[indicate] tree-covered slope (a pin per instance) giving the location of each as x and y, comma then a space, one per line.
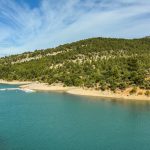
98, 62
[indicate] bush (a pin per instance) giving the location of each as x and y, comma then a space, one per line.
103, 87
122, 86
133, 91
140, 93
147, 93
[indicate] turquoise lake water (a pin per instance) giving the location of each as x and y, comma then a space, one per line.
59, 121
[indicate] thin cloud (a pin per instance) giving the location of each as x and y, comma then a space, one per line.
26, 28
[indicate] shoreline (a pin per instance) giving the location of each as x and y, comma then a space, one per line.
36, 86
14, 82
107, 95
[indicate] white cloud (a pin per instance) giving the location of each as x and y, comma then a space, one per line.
51, 24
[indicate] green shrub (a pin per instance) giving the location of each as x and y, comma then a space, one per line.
147, 93
133, 91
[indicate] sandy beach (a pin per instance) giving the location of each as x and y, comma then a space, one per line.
15, 82
84, 92
44, 87
107, 94
36, 86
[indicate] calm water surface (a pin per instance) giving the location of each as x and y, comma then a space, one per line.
57, 121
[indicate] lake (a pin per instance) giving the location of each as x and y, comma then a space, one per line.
59, 121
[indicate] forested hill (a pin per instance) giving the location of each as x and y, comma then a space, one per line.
105, 63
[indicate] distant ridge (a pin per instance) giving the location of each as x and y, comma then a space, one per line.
101, 63
147, 37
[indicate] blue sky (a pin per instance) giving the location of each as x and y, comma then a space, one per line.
36, 24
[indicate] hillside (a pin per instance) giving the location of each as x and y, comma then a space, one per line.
100, 63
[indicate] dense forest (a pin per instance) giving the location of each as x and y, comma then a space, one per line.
100, 63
